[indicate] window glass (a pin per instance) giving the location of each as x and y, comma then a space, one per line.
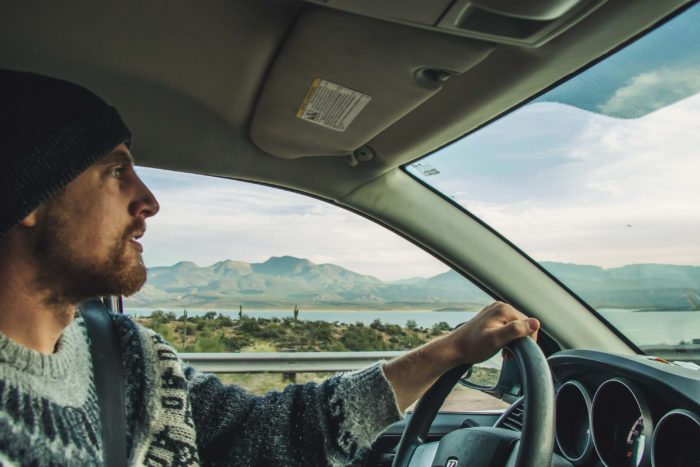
596, 180
239, 267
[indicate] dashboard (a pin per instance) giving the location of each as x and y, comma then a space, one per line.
615, 410
611, 410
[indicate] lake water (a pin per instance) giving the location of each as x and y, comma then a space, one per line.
643, 328
656, 327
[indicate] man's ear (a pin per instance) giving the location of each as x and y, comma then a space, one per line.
30, 220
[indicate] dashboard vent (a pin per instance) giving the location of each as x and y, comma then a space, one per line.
513, 418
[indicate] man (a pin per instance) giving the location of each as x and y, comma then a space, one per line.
71, 213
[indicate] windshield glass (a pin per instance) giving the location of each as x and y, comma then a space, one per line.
597, 180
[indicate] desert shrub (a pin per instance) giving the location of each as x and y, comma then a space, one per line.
158, 317
439, 328
209, 343
412, 340
319, 330
235, 343
266, 333
248, 325
393, 329
222, 320
358, 338
443, 326
335, 346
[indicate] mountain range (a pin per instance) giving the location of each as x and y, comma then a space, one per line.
286, 281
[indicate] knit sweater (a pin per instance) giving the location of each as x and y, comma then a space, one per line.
49, 413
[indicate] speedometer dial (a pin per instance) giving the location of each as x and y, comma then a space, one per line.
634, 444
621, 425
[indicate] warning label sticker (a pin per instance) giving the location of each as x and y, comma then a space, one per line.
331, 105
426, 169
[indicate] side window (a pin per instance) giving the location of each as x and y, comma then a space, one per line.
237, 267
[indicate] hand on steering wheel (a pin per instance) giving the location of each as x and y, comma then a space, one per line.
490, 446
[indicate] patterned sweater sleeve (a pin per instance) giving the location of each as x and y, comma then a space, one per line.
310, 424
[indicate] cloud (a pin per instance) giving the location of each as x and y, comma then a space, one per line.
622, 192
652, 90
608, 236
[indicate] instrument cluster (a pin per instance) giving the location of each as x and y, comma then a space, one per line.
626, 411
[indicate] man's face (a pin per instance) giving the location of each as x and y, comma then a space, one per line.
86, 238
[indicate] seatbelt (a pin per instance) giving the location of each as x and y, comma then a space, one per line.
109, 380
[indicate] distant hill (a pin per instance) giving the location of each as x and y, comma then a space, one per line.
282, 282
639, 286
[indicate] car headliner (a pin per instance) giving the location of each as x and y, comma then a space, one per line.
205, 86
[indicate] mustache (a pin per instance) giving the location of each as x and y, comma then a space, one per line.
137, 228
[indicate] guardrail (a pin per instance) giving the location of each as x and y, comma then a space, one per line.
284, 362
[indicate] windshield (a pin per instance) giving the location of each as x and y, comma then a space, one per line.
598, 181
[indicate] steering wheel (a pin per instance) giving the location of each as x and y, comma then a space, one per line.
487, 446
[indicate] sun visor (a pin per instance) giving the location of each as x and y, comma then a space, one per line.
340, 79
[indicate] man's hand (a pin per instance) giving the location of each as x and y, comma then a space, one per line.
475, 341
495, 326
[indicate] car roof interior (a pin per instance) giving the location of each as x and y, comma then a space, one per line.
215, 88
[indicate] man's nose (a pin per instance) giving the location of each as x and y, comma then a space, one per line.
145, 204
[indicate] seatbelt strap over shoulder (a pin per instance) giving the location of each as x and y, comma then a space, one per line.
109, 380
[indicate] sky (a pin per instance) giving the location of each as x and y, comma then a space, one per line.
601, 170
206, 220
613, 192
583, 184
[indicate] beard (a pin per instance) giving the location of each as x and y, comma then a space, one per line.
71, 275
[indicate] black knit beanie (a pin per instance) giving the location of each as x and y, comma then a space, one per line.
51, 132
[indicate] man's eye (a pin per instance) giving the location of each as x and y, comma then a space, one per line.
118, 172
